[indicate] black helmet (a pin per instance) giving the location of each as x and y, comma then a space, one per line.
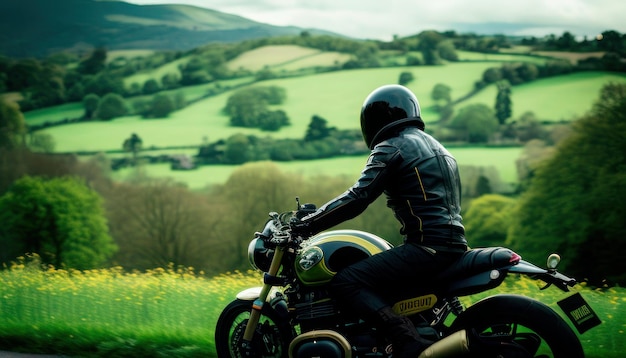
388, 108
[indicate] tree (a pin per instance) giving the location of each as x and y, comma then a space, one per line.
492, 75
249, 108
94, 63
273, 120
61, 219
111, 105
528, 127
238, 149
12, 124
477, 122
487, 220
447, 51
317, 129
151, 86
158, 222
441, 92
405, 78
504, 104
41, 142
91, 102
570, 206
161, 106
133, 145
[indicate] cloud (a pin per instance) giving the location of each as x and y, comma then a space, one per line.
383, 19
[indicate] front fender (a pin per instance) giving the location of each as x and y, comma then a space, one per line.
277, 302
249, 294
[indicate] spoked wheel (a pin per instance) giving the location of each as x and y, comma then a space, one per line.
271, 338
510, 326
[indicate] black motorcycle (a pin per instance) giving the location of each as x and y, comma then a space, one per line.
293, 315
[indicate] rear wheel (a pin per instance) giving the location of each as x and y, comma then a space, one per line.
511, 326
271, 338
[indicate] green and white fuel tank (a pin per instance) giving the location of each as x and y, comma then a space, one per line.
326, 253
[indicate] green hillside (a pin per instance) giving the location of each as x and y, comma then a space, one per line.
45, 27
561, 98
337, 97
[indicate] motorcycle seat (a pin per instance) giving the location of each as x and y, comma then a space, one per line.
479, 260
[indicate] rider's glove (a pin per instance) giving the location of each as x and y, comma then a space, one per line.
299, 228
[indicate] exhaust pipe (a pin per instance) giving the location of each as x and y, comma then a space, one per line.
453, 345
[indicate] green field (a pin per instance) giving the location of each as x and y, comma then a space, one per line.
335, 96
500, 57
562, 98
172, 311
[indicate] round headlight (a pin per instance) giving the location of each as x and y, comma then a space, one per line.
310, 257
260, 257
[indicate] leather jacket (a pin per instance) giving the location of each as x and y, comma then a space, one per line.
421, 181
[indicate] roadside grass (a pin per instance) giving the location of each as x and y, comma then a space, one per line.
172, 312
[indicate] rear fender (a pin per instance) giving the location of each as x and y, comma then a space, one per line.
477, 283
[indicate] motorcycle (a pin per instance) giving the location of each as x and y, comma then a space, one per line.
293, 315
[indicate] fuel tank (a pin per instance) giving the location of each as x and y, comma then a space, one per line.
328, 252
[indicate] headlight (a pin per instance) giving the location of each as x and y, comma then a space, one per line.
260, 257
310, 257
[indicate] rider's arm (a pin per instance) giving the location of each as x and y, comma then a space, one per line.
356, 199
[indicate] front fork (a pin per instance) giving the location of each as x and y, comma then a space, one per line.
257, 305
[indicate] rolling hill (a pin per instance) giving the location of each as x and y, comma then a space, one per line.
36, 28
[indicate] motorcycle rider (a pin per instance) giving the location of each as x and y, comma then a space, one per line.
421, 181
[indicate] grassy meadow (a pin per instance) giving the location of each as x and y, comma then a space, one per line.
172, 311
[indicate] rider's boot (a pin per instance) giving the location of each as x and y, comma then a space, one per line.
405, 341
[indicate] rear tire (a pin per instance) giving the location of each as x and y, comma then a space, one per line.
512, 326
271, 338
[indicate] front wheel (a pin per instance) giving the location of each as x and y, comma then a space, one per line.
512, 326
271, 338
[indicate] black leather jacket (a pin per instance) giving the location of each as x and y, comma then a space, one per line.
421, 181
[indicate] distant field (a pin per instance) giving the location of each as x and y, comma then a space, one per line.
54, 114
115, 54
170, 68
499, 57
557, 98
573, 57
76, 109
268, 56
337, 97
503, 159
322, 59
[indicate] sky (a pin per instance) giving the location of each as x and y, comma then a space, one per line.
382, 19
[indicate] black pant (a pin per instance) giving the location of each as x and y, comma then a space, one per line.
381, 280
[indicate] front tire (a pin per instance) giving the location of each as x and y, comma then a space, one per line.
271, 338
512, 326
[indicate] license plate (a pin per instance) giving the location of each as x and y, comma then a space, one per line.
579, 312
